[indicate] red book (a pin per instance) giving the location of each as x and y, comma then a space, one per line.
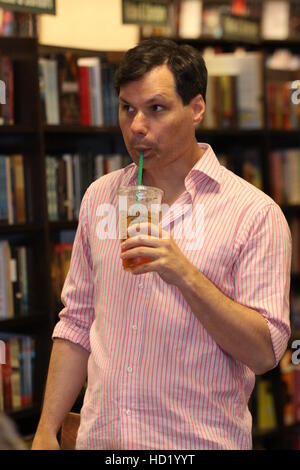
84, 95
6, 379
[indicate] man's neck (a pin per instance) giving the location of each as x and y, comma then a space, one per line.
171, 178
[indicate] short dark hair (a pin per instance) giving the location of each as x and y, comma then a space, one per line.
184, 61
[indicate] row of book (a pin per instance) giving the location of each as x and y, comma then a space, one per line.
285, 175
68, 177
18, 24
78, 91
16, 371
234, 96
14, 292
12, 189
266, 419
283, 90
190, 19
7, 94
282, 112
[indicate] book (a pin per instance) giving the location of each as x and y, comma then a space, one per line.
7, 76
93, 66
84, 96
49, 90
190, 19
235, 90
266, 414
17, 174
68, 82
275, 19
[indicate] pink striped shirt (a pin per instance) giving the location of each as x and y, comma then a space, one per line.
156, 378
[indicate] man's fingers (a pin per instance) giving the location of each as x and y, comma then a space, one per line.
146, 228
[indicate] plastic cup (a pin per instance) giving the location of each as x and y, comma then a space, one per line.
138, 204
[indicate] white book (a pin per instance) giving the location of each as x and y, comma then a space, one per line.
275, 19
190, 19
250, 90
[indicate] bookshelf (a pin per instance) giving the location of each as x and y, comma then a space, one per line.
25, 137
32, 137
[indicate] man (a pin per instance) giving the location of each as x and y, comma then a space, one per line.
171, 349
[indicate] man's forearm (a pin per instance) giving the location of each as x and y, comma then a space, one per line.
66, 376
240, 331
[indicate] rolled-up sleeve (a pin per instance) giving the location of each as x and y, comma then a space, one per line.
262, 272
77, 296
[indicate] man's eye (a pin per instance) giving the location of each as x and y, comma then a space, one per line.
157, 107
128, 108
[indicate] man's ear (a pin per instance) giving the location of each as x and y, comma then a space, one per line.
198, 108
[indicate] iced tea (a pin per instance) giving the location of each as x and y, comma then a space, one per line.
129, 264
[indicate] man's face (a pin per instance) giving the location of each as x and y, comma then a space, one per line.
154, 120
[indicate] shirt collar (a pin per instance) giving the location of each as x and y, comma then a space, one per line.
207, 167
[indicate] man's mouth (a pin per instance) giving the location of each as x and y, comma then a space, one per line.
145, 150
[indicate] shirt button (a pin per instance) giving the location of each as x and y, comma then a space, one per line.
134, 327
141, 285
128, 412
129, 369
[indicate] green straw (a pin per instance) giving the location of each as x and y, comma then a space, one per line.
139, 195
140, 173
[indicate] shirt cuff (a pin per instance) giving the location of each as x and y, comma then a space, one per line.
71, 332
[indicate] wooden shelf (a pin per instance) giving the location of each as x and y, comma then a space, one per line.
18, 48
26, 229
23, 323
227, 43
279, 44
231, 132
63, 225
78, 129
284, 133
16, 129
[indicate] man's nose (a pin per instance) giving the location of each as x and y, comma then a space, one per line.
139, 124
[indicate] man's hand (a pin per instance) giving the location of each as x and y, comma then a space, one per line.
168, 260
44, 440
